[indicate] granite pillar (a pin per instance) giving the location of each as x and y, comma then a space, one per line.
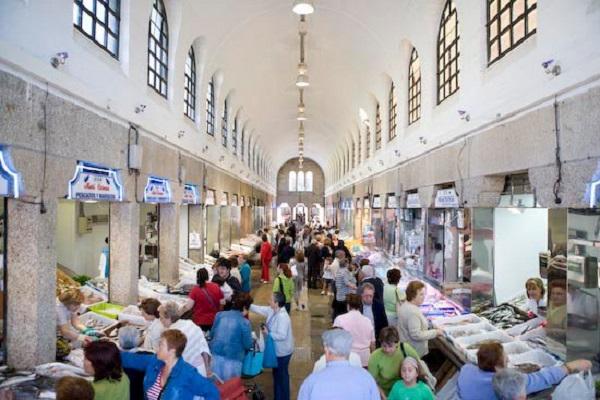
124, 252
31, 284
195, 224
168, 243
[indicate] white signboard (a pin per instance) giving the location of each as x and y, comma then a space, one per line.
234, 200
366, 203
210, 197
413, 201
95, 183
446, 198
224, 199
376, 201
190, 195
195, 242
9, 178
392, 201
158, 190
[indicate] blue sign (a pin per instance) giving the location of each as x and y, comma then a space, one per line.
190, 194
93, 182
157, 190
9, 177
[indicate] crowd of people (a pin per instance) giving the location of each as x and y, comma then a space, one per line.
378, 344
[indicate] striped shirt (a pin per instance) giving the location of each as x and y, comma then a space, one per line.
154, 392
342, 279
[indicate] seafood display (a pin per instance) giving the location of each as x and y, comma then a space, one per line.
96, 321
460, 320
467, 330
504, 316
58, 370
475, 341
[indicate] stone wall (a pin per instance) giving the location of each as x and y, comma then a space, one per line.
307, 198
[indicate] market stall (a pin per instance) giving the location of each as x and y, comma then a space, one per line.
211, 223
377, 221
187, 236
390, 225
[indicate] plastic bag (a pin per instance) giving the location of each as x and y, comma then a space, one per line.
253, 363
269, 355
576, 386
260, 342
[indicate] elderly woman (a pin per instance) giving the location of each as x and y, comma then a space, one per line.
103, 362
196, 352
385, 362
167, 375
510, 384
149, 309
412, 324
475, 381
231, 337
67, 320
279, 326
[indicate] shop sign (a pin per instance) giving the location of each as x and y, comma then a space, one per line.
9, 177
413, 201
242, 201
366, 203
446, 198
376, 201
195, 242
234, 200
190, 194
158, 190
392, 201
93, 182
210, 197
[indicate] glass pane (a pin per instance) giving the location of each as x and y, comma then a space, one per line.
87, 23
100, 11
76, 13
504, 19
519, 30
532, 20
89, 4
113, 24
518, 8
482, 264
100, 34
301, 181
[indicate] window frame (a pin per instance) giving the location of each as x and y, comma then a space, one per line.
153, 58
414, 88
528, 9
243, 136
234, 133
392, 112
189, 86
367, 141
307, 175
79, 9
210, 107
378, 138
225, 123
447, 13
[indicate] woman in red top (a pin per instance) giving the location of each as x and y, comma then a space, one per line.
266, 254
205, 299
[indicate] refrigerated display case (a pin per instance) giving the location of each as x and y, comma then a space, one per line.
412, 237
377, 222
367, 233
390, 226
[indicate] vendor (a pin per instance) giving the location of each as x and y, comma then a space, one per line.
149, 308
68, 326
535, 296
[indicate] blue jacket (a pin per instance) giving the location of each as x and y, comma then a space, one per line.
246, 272
183, 384
231, 335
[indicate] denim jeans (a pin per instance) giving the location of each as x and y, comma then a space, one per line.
226, 368
281, 379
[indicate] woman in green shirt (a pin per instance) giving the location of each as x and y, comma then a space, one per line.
284, 283
385, 362
103, 360
412, 386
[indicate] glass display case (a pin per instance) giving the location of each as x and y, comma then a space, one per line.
411, 238
443, 244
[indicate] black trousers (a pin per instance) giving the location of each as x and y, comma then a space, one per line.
313, 276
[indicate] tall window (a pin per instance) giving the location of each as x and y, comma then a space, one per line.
414, 87
242, 139
210, 107
392, 108
234, 134
249, 152
447, 51
301, 181
378, 128
359, 154
308, 186
348, 157
99, 21
225, 123
368, 141
510, 22
353, 154
158, 49
189, 86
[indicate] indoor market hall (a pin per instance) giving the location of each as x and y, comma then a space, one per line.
299, 199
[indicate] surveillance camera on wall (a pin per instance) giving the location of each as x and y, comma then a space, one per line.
59, 59
464, 115
397, 153
140, 109
552, 67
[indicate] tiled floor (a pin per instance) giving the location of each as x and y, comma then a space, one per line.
307, 327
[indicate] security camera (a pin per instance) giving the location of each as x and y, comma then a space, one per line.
552, 67
59, 59
422, 140
464, 115
180, 134
397, 153
140, 109
381, 162
222, 158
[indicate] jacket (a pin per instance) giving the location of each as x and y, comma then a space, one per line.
231, 335
379, 316
183, 384
266, 254
414, 328
287, 289
280, 328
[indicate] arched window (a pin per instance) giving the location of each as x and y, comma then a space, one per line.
447, 51
225, 123
309, 182
509, 24
210, 107
368, 141
189, 86
234, 134
242, 139
359, 153
353, 154
377, 128
392, 106
158, 49
414, 87
301, 181
99, 20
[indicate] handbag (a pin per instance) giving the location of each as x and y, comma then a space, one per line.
232, 389
269, 356
253, 362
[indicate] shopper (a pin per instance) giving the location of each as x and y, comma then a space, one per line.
373, 308
103, 362
246, 273
412, 324
224, 271
69, 328
339, 379
510, 384
393, 296
313, 254
285, 285
359, 326
327, 276
412, 386
298, 265
167, 375
204, 301
234, 271
475, 381
149, 308
385, 362
338, 244
196, 353
279, 327
287, 252
343, 285
70, 388
535, 296
266, 254
368, 276
231, 337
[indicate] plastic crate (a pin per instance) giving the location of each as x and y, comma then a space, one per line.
107, 309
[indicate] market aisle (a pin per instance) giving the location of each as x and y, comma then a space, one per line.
307, 328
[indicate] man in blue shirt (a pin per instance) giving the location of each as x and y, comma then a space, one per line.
325, 384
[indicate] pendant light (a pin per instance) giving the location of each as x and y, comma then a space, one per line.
301, 7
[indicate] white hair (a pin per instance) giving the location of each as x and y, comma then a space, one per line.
509, 384
338, 342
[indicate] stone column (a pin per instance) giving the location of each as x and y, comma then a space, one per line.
124, 252
31, 284
195, 223
168, 243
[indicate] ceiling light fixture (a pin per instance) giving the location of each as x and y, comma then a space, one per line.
301, 116
301, 7
302, 81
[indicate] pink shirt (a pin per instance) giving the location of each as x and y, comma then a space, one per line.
361, 329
